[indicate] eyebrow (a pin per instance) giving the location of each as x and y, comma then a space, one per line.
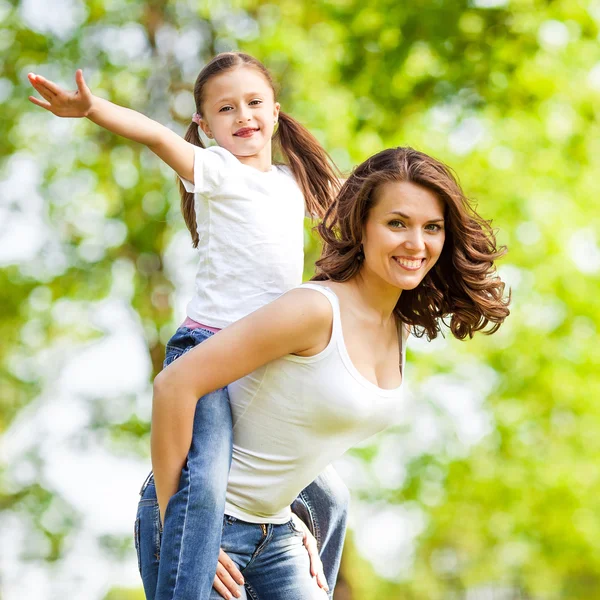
401, 214
228, 99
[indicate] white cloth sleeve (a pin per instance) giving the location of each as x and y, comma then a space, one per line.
210, 166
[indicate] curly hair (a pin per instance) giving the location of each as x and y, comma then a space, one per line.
462, 287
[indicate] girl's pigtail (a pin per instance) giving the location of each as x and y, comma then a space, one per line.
312, 167
187, 199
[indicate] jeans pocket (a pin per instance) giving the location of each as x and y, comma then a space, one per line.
136, 541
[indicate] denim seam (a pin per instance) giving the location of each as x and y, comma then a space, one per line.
315, 527
136, 539
148, 502
187, 505
251, 592
157, 532
203, 330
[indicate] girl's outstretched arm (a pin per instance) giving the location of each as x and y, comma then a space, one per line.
297, 322
166, 144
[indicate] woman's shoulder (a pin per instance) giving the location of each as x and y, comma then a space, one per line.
313, 296
324, 298
326, 287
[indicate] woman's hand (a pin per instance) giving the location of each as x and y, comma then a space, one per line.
316, 566
59, 102
228, 578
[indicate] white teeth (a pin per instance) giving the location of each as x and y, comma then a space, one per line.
409, 264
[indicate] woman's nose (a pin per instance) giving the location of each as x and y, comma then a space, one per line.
415, 240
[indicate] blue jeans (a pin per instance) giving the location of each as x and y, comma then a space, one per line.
179, 562
272, 559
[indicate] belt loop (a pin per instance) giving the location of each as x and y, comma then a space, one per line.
146, 483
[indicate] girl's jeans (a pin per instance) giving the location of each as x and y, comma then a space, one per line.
179, 562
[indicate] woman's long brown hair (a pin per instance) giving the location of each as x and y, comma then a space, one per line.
462, 289
311, 166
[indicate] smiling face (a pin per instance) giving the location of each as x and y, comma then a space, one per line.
404, 234
239, 111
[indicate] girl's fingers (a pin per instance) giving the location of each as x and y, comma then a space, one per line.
43, 90
81, 84
41, 103
49, 85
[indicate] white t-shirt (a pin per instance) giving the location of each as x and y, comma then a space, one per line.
251, 236
294, 416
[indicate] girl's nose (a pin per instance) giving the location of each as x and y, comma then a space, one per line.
243, 116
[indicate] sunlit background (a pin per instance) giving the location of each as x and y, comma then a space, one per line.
490, 488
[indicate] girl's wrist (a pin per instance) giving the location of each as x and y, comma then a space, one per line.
93, 108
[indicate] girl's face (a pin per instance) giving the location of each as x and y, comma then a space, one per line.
404, 234
239, 111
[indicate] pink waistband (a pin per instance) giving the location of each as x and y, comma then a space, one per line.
191, 324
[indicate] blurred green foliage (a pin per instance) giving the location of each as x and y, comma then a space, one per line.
507, 93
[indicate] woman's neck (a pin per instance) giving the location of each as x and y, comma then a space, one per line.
376, 296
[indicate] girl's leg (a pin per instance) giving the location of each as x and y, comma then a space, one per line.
147, 537
190, 541
323, 506
191, 534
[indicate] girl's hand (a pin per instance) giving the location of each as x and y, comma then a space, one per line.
59, 102
316, 566
228, 578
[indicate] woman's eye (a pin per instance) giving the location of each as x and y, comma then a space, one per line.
396, 223
433, 227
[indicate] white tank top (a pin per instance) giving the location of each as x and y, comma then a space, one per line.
293, 417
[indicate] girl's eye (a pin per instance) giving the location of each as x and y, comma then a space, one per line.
225, 109
255, 102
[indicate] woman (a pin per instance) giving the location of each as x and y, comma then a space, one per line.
320, 369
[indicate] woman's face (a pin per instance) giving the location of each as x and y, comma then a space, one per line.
404, 233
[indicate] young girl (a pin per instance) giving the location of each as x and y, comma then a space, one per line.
246, 217
321, 368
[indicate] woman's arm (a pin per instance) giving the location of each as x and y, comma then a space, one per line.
166, 144
297, 322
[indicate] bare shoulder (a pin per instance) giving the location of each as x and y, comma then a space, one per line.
308, 305
314, 317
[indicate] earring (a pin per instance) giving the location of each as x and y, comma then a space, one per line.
361, 254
